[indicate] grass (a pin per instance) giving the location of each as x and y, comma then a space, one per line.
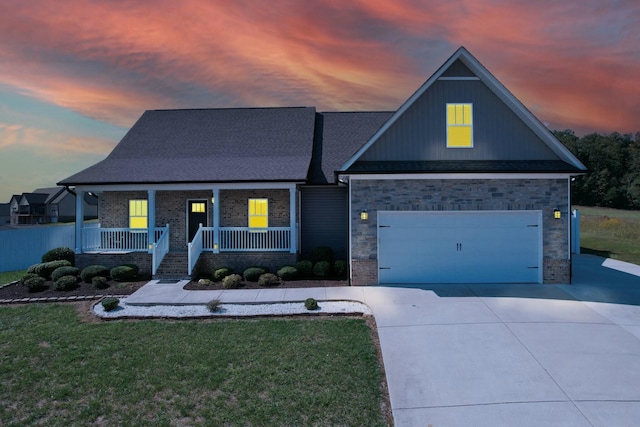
58, 371
611, 233
10, 276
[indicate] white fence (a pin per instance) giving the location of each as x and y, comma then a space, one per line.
23, 247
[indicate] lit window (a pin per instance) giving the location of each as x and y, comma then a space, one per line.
137, 214
258, 213
198, 207
459, 126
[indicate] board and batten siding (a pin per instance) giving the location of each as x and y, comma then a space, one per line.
420, 133
23, 247
324, 219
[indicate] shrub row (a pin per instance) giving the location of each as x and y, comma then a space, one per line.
301, 269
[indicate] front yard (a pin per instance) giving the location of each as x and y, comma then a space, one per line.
59, 370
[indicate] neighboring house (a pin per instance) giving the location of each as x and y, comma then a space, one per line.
461, 184
49, 205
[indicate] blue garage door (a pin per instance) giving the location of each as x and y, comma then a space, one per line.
460, 247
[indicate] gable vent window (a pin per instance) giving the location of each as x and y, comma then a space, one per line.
258, 213
459, 126
137, 214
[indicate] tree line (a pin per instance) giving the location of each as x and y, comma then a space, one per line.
613, 161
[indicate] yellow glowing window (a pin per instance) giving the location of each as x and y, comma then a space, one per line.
137, 214
258, 213
459, 125
198, 207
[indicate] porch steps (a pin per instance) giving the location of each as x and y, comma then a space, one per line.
173, 266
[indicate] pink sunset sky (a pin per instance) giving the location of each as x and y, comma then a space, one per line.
75, 75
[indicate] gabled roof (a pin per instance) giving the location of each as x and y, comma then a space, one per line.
52, 192
34, 198
462, 65
209, 145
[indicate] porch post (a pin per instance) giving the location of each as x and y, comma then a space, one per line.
293, 230
151, 217
216, 220
79, 219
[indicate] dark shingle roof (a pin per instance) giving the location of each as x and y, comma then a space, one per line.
36, 198
343, 133
462, 166
211, 145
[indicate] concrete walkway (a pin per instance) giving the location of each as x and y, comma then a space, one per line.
494, 355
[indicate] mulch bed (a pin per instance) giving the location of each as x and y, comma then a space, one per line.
16, 291
195, 286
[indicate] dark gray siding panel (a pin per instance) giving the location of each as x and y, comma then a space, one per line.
420, 133
324, 219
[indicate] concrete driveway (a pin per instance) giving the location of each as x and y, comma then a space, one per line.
525, 355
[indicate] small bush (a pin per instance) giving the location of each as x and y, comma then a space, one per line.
33, 282
321, 253
46, 268
340, 268
100, 282
221, 273
205, 282
64, 271
287, 273
92, 271
304, 267
122, 273
311, 304
213, 305
268, 279
66, 283
252, 274
110, 303
61, 253
322, 269
232, 281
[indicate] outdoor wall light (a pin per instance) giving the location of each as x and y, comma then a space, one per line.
364, 215
213, 200
556, 213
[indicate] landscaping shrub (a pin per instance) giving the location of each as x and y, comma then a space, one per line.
92, 271
252, 274
134, 266
64, 271
287, 273
321, 253
45, 269
304, 267
110, 303
221, 273
33, 282
100, 282
213, 305
232, 281
61, 253
205, 282
268, 279
311, 304
322, 269
66, 283
340, 268
122, 273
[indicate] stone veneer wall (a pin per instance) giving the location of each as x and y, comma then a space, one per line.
459, 195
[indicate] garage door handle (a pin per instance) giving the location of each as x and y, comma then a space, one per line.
533, 267
385, 268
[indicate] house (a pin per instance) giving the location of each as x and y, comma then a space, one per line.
49, 205
460, 184
5, 214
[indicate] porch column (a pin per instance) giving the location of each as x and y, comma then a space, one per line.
293, 220
79, 219
151, 217
216, 220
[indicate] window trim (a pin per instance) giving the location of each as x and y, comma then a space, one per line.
459, 125
254, 215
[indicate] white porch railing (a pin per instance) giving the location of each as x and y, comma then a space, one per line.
195, 249
98, 239
160, 249
247, 239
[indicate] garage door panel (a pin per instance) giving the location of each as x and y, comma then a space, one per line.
459, 247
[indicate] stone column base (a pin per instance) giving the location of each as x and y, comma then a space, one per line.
556, 271
364, 272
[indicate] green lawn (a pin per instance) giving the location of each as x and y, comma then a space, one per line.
10, 276
57, 370
611, 233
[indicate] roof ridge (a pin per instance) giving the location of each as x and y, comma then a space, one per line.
232, 108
